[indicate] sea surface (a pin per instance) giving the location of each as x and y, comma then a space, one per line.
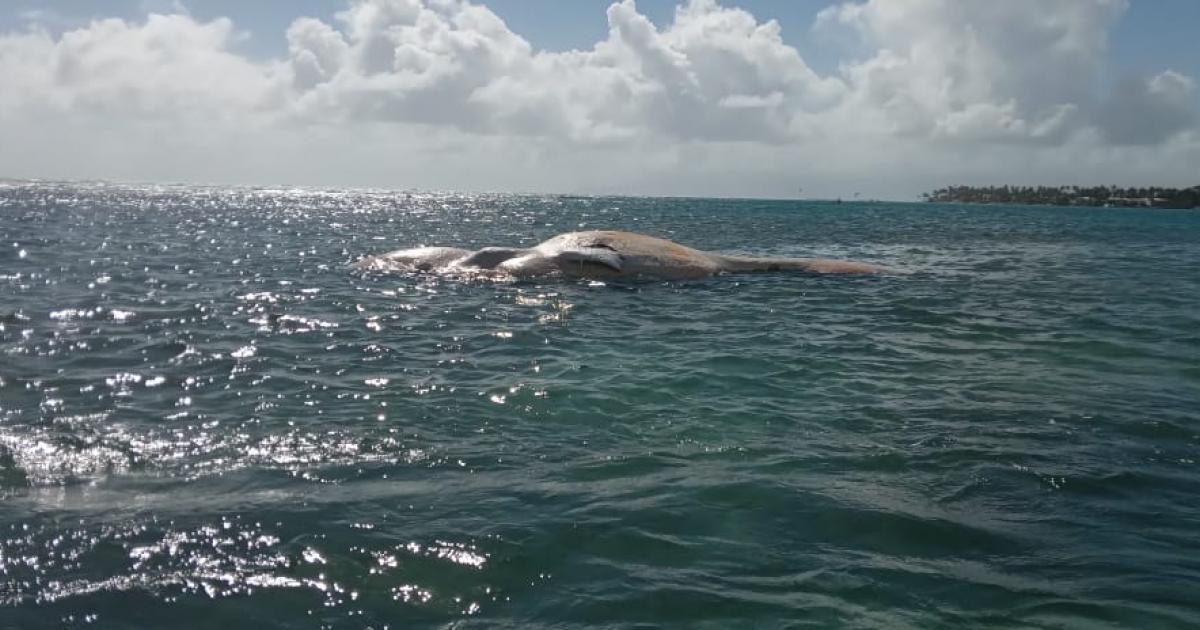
207, 419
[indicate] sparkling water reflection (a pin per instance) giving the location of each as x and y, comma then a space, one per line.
207, 418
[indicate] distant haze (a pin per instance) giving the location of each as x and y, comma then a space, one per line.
715, 100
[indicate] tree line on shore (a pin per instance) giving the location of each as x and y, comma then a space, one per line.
1100, 196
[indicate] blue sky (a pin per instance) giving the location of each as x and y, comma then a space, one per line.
890, 97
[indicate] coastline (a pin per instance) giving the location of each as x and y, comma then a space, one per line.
1070, 196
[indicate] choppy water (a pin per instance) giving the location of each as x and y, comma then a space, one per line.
207, 419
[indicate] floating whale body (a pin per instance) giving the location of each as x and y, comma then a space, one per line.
599, 254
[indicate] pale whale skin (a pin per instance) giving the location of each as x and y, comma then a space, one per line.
599, 254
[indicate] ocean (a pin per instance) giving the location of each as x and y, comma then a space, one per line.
207, 419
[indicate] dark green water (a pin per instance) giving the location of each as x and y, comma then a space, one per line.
207, 420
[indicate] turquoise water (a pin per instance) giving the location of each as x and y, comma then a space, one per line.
206, 418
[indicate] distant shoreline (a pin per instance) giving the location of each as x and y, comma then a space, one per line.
1094, 196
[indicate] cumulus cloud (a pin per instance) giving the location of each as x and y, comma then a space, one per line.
168, 66
715, 74
1149, 110
977, 69
715, 90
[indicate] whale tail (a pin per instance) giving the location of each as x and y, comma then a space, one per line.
811, 265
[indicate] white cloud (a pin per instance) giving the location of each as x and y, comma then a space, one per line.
169, 66
443, 93
716, 74
985, 69
1150, 110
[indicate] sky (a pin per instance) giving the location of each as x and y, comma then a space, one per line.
748, 98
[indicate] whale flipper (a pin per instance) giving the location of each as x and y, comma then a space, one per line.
489, 257
603, 256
